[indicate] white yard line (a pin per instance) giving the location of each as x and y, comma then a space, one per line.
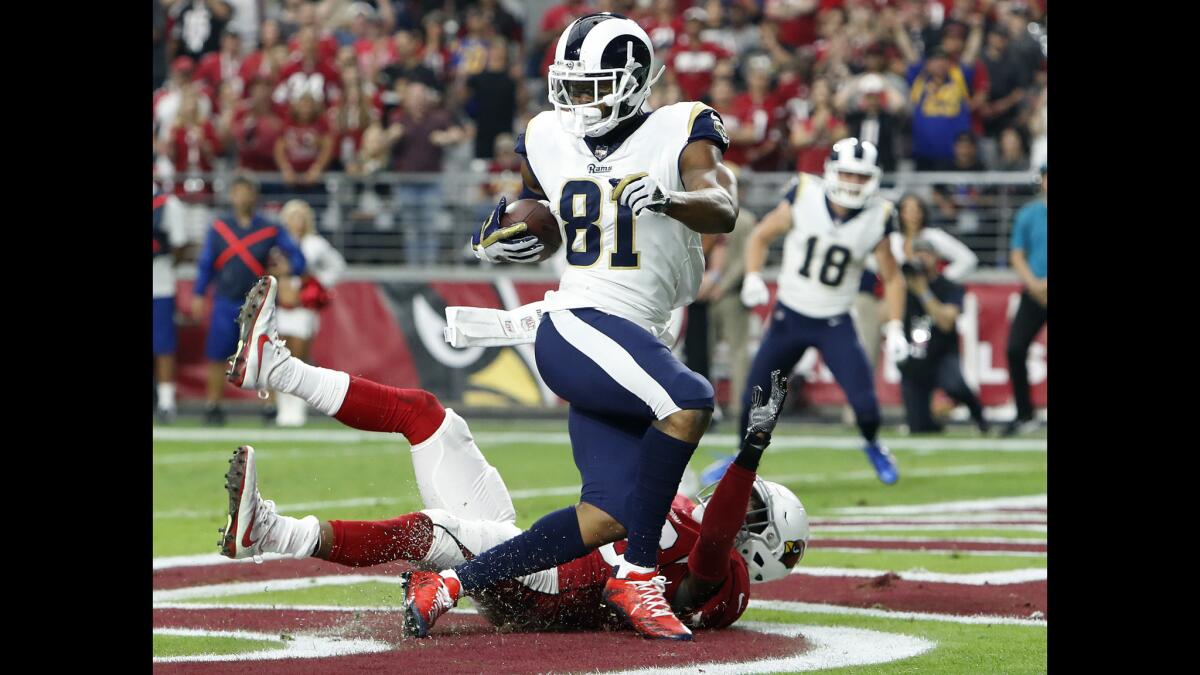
830, 647
485, 438
826, 537
268, 585
839, 529
301, 646
961, 552
816, 608
973, 579
1002, 517
566, 490
965, 506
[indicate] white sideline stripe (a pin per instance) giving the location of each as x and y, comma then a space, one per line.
563, 490
931, 549
939, 540
268, 586
817, 608
611, 357
301, 646
274, 607
832, 647
273, 454
363, 501
484, 438
1026, 502
1023, 518
1018, 576
839, 529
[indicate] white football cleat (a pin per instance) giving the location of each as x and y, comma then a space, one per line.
259, 346
253, 527
250, 516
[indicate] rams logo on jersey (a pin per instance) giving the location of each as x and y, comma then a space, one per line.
720, 129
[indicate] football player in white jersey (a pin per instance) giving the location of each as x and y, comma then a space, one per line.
832, 224
633, 190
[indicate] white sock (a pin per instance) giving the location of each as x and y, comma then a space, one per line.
625, 568
323, 388
297, 537
166, 395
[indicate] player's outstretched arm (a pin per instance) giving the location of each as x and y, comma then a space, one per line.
708, 561
774, 225
895, 291
708, 203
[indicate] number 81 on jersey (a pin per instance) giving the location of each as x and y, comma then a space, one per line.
581, 208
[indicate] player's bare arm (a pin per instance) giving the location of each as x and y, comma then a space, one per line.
894, 288
709, 204
773, 226
894, 292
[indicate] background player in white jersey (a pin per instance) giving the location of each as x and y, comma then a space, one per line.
633, 190
832, 225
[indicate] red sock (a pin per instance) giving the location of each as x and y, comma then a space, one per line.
723, 517
370, 406
360, 543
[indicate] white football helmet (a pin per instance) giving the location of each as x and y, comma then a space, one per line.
774, 535
600, 60
850, 155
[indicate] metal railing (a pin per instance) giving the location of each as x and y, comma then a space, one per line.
424, 219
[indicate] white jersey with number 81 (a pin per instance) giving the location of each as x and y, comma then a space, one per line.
638, 268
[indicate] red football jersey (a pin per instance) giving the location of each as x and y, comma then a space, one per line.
578, 603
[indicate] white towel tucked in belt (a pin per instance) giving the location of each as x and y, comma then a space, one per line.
481, 327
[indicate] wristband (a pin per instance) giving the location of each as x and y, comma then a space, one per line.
927, 296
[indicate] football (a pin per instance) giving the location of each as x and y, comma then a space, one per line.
539, 221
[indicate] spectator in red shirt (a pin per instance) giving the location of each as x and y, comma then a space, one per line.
796, 20
224, 65
306, 19
373, 49
191, 145
305, 147
664, 25
253, 128
813, 136
693, 60
554, 21
308, 71
757, 132
350, 119
267, 61
167, 99
721, 96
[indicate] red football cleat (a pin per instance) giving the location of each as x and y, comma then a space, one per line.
427, 596
641, 601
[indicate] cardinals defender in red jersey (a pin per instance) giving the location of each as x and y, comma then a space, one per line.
747, 530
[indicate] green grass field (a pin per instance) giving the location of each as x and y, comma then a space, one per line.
337, 475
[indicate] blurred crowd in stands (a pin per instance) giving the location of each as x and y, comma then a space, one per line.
299, 90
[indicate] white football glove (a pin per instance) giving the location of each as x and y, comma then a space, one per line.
754, 290
640, 191
896, 345
495, 244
